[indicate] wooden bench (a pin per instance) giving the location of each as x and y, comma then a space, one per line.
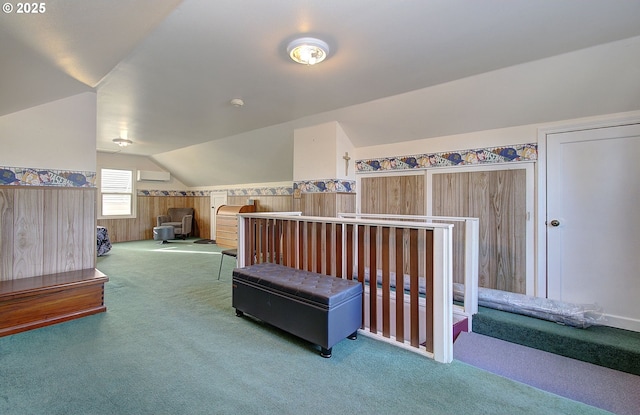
29, 303
318, 308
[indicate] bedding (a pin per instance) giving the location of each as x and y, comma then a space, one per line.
104, 244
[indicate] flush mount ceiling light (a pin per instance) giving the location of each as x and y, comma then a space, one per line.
308, 50
237, 102
122, 142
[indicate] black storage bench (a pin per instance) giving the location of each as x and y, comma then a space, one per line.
318, 308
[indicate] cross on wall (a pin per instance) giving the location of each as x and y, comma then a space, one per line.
346, 163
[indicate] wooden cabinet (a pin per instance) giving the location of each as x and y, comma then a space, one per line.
227, 224
33, 302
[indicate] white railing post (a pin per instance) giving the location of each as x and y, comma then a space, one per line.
343, 235
442, 295
241, 242
471, 241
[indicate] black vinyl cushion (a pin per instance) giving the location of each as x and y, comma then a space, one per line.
319, 288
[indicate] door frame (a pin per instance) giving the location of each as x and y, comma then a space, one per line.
612, 120
212, 221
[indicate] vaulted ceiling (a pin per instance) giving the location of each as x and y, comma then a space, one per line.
165, 70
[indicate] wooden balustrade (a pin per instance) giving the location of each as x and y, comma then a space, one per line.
392, 259
465, 251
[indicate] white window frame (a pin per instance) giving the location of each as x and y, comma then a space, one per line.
133, 195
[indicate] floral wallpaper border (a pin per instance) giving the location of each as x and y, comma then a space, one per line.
261, 191
255, 191
28, 176
324, 186
173, 193
503, 154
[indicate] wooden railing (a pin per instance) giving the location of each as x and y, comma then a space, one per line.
466, 234
398, 258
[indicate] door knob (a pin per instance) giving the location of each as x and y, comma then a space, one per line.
555, 223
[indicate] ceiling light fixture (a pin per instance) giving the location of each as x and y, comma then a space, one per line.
308, 50
237, 102
122, 142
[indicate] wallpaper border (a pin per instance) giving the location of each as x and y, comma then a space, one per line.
173, 193
490, 155
324, 186
30, 176
261, 191
253, 191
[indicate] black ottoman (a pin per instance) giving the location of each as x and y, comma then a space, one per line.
318, 308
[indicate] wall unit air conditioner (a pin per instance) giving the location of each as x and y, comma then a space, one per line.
154, 176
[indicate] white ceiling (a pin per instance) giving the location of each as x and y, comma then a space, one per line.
165, 70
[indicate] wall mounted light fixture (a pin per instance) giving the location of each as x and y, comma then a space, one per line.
308, 50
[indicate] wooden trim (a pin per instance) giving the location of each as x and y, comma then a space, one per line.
399, 283
413, 292
386, 283
373, 279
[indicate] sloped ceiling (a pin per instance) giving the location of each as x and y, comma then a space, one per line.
165, 71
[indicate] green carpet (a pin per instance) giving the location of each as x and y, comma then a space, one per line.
170, 343
605, 346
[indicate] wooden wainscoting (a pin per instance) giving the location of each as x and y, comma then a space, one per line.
325, 204
149, 208
46, 230
396, 195
497, 198
265, 203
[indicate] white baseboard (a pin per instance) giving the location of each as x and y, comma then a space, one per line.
626, 323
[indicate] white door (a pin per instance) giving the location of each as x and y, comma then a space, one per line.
217, 199
593, 220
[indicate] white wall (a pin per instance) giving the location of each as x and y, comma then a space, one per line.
344, 145
523, 134
59, 135
479, 139
264, 155
318, 152
314, 152
132, 162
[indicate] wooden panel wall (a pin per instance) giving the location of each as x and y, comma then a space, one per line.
398, 195
325, 204
498, 199
149, 208
46, 230
276, 203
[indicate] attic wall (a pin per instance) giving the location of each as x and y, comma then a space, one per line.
46, 230
59, 135
477, 139
47, 203
149, 208
134, 162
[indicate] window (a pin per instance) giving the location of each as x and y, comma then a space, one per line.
117, 193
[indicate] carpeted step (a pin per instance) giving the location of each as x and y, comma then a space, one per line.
605, 346
585, 382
